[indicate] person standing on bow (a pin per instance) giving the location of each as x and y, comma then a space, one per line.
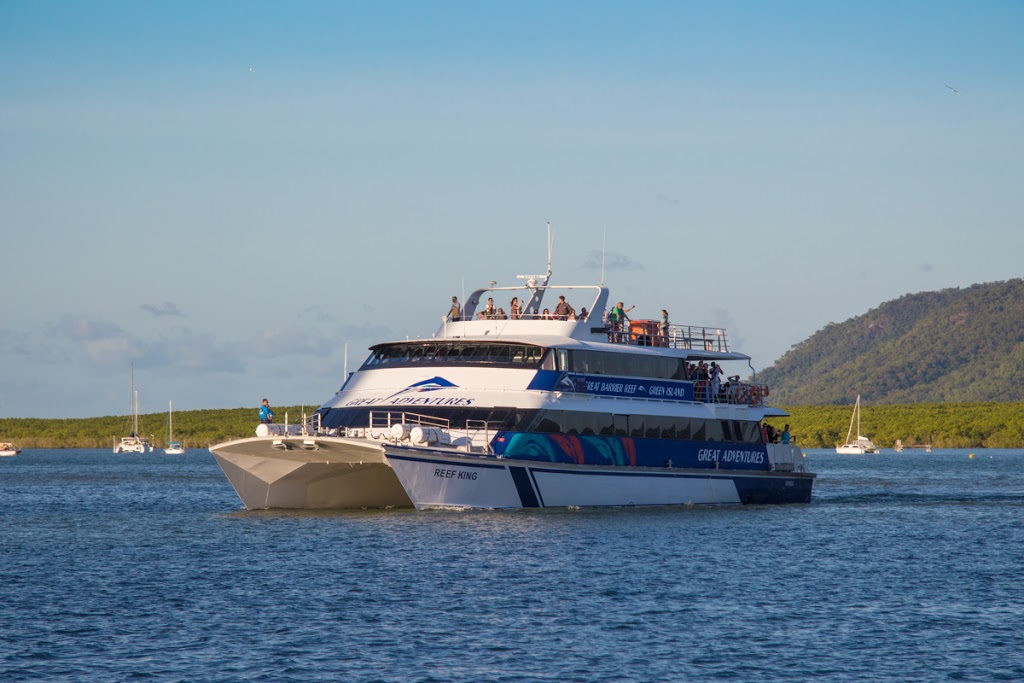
266, 414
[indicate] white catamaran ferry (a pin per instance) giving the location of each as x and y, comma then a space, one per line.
529, 411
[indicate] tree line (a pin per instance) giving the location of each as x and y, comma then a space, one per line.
943, 425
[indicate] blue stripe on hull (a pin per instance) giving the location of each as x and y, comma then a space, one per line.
524, 487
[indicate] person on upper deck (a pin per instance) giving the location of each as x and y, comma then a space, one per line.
715, 375
563, 310
618, 319
546, 315
785, 434
489, 309
663, 327
455, 311
582, 314
515, 311
500, 315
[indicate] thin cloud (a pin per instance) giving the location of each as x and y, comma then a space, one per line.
192, 353
667, 199
104, 344
612, 261
165, 308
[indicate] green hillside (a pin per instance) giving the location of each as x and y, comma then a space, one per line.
955, 345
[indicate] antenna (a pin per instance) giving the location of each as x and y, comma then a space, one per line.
604, 240
344, 367
550, 242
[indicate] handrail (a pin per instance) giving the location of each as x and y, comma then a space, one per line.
649, 333
387, 418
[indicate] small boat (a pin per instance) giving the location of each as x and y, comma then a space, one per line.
492, 412
861, 444
6, 447
133, 443
173, 447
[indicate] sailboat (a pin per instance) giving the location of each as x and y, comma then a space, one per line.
6, 447
173, 447
861, 444
134, 443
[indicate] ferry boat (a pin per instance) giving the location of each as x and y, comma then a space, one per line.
531, 411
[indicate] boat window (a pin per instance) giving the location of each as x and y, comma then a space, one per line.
621, 425
625, 365
563, 360
451, 353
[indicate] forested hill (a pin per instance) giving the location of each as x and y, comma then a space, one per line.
955, 345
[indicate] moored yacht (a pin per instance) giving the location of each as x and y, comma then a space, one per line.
134, 443
530, 411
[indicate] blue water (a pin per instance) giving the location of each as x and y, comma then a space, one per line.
906, 567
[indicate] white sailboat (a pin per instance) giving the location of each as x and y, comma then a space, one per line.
173, 447
861, 444
6, 447
134, 443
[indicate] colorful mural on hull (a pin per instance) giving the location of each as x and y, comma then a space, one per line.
627, 451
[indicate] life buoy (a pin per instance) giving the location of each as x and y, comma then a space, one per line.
766, 392
755, 395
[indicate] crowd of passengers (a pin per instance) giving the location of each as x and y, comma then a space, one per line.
772, 435
615, 320
563, 311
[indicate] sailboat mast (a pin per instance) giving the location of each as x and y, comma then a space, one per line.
135, 404
852, 418
858, 417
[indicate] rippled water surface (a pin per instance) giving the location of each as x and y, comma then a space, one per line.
905, 567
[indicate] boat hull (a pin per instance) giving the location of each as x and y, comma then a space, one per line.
435, 479
855, 450
305, 473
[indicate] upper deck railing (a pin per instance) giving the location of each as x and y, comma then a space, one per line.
632, 332
651, 333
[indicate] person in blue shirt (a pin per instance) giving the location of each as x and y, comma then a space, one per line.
266, 414
785, 434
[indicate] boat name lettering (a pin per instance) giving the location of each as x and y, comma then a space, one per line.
453, 474
412, 401
718, 455
597, 386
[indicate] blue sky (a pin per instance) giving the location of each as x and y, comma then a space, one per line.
228, 194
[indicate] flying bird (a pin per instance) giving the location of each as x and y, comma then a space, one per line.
955, 91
